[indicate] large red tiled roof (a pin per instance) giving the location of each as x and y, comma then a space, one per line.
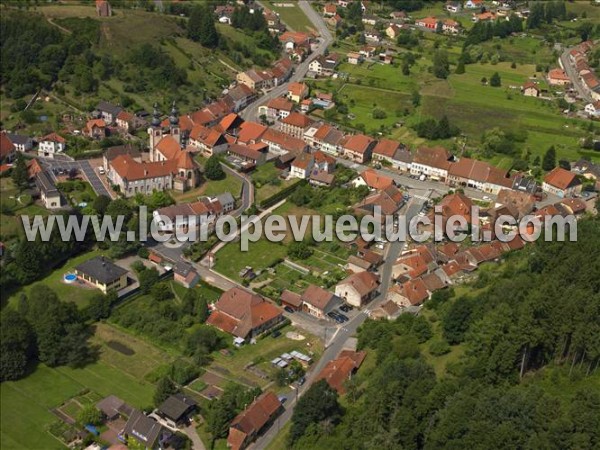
560, 178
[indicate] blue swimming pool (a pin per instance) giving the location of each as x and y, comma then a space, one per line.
70, 277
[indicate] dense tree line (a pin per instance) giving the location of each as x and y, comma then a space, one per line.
545, 12
485, 30
436, 129
531, 323
42, 329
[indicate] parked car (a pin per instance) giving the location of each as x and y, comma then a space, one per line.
288, 309
343, 317
101, 170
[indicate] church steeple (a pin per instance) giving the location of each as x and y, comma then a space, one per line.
174, 117
156, 116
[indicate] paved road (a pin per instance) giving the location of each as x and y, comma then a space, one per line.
348, 329
84, 167
573, 75
251, 111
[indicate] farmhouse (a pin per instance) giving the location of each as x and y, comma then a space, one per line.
561, 182
318, 302
558, 77
530, 89
102, 273
243, 314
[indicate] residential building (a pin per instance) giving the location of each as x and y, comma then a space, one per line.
410, 293
295, 124
302, 166
328, 139
95, 129
562, 183
281, 143
427, 22
558, 77
181, 216
322, 66
431, 162
530, 89
125, 121
479, 175
358, 289
373, 180
21, 142
372, 36
208, 140
256, 417
338, 371
49, 194
453, 7
394, 153
256, 79
112, 152
473, 4
593, 109
455, 205
393, 31
243, 314
252, 155
297, 92
381, 203
334, 21
277, 108
176, 410
291, 300
102, 273
250, 133
186, 275
282, 70
145, 430
522, 202
108, 112
354, 58
358, 147
51, 145
239, 97
7, 148
317, 302
329, 10
388, 311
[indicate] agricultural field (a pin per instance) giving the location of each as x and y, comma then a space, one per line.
290, 14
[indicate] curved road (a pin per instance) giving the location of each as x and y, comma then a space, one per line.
251, 111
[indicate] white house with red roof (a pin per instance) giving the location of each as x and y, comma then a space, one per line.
51, 144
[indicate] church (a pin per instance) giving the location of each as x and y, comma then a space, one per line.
170, 166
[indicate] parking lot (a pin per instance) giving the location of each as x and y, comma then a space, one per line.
84, 167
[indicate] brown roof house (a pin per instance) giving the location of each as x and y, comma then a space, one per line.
249, 423
291, 300
318, 302
244, 314
341, 369
411, 293
562, 183
431, 162
358, 289
358, 148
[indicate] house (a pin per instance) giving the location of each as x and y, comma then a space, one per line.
373, 180
381, 203
176, 410
50, 145
255, 418
102, 273
295, 124
398, 15
453, 7
322, 66
145, 430
522, 202
354, 58
208, 140
250, 133
112, 407
393, 31
456, 205
358, 148
95, 129
297, 92
562, 183
369, 19
255, 79
372, 36
185, 275
329, 10
338, 371
368, 51
103, 8
484, 16
387, 150
388, 311
302, 166
558, 77
125, 121
469, 172
277, 108
201, 212
21, 142
593, 109
281, 143
317, 302
321, 178
410, 293
33, 168
524, 183
335, 21
450, 26
358, 289
431, 162
291, 300
243, 314
108, 112
530, 89
49, 194
282, 70
7, 148
328, 139
427, 22
239, 97
292, 40
473, 4
323, 100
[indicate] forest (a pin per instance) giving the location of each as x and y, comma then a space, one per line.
528, 377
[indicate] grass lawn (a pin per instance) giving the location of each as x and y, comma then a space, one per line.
262, 353
26, 403
260, 255
211, 188
290, 14
267, 181
76, 293
10, 224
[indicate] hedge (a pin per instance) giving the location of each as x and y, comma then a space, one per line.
275, 198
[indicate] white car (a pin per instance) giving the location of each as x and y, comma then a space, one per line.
486, 198
101, 170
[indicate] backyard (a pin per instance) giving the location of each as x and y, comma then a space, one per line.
267, 181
